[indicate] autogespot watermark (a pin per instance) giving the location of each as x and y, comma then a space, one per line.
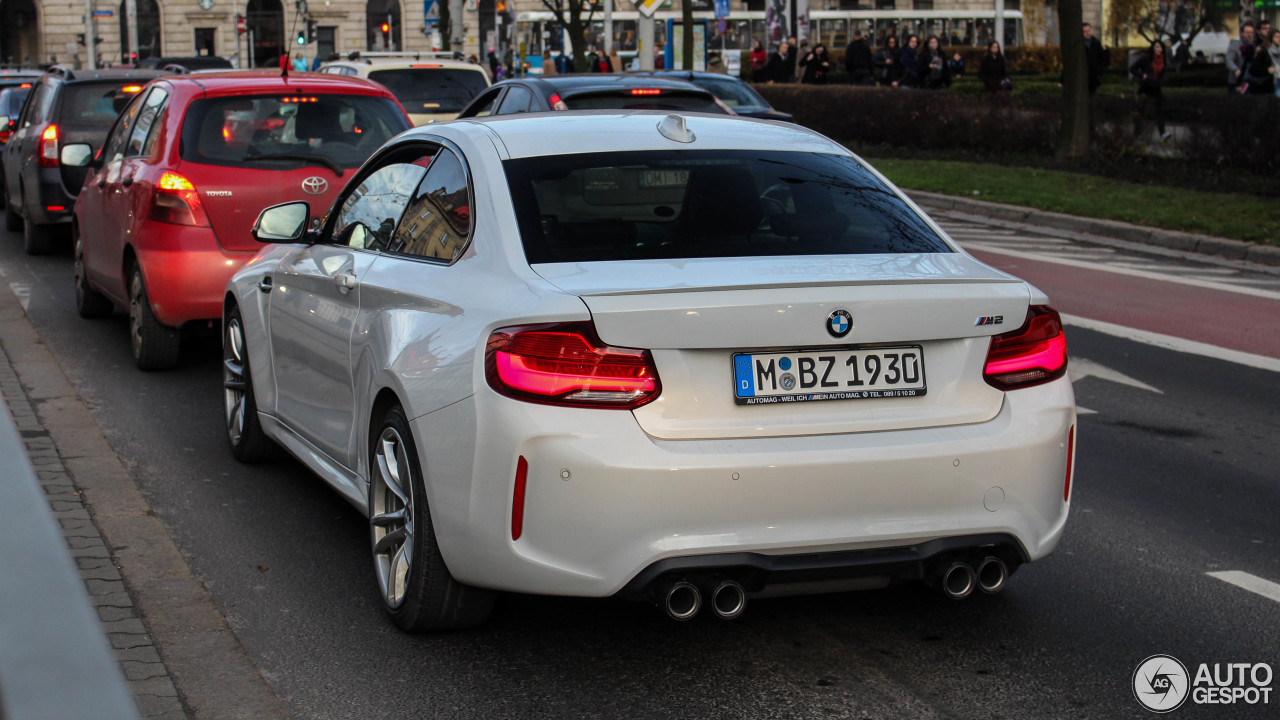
1161, 683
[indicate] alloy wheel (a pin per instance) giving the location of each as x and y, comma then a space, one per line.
135, 314
391, 515
233, 384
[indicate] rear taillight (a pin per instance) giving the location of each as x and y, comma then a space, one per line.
566, 364
175, 201
48, 150
1033, 354
5, 132
556, 102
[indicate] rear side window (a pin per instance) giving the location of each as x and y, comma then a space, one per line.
95, 104
665, 100
703, 204
437, 222
144, 132
289, 130
432, 90
731, 92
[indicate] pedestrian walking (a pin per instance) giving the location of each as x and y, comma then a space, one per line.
909, 61
1150, 73
993, 72
886, 62
858, 61
1097, 58
780, 64
935, 74
299, 62
1260, 75
564, 63
759, 60
1239, 55
816, 64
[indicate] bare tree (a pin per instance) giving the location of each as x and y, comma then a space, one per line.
686, 39
569, 13
1074, 140
1163, 20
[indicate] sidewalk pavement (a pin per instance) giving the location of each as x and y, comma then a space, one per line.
179, 655
1168, 239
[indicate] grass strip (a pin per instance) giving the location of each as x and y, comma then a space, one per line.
1240, 217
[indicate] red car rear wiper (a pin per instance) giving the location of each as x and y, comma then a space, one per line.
312, 159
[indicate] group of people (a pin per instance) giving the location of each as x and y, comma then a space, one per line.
1253, 60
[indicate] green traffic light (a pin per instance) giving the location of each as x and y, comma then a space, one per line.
302, 38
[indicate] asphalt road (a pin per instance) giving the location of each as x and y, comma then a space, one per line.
1176, 477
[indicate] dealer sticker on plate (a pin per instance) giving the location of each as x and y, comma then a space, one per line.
845, 374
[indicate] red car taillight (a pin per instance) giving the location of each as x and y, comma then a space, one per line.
175, 201
557, 103
567, 364
1031, 355
47, 152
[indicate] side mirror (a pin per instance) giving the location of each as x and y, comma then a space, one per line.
76, 155
284, 223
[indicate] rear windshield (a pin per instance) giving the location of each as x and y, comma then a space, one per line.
423, 91
96, 104
703, 204
288, 131
731, 92
11, 101
663, 101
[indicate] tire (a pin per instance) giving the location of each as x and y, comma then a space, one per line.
90, 303
240, 406
37, 239
417, 589
12, 220
155, 347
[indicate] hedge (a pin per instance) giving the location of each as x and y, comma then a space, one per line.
1238, 132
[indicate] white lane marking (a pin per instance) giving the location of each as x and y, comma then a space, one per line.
23, 291
1080, 368
1194, 282
1252, 583
1177, 344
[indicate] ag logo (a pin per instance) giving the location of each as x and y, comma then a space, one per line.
1161, 683
839, 323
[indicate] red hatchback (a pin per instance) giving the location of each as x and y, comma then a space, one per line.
164, 218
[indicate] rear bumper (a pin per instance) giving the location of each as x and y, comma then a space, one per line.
607, 506
50, 193
185, 271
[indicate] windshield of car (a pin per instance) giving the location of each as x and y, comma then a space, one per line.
699, 204
289, 131
733, 93
662, 100
432, 90
96, 104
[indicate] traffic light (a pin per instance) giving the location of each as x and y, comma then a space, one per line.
80, 39
302, 38
386, 30
313, 31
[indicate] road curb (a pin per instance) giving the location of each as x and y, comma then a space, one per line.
1170, 239
213, 675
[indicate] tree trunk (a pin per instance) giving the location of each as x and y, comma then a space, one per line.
686, 24
578, 38
445, 25
1074, 140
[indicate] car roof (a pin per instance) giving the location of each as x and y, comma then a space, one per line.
404, 63
244, 82
560, 133
574, 83
77, 76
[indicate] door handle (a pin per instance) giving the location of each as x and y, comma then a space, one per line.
264, 284
127, 182
344, 281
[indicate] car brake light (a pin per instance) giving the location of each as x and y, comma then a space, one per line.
556, 102
176, 201
131, 89
645, 91
24, 86
1031, 355
567, 364
48, 150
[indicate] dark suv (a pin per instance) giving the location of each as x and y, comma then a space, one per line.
592, 91
65, 108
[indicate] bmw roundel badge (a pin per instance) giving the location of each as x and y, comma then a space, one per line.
839, 323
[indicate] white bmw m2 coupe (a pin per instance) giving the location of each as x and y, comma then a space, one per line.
681, 358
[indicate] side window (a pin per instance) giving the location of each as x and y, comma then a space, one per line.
117, 141
516, 101
371, 211
141, 138
437, 223
487, 105
31, 109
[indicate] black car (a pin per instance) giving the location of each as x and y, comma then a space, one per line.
66, 107
593, 91
186, 64
739, 96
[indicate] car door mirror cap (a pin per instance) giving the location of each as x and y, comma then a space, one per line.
284, 223
76, 155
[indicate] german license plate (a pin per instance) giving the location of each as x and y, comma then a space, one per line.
882, 372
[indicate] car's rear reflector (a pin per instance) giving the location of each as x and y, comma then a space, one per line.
645, 91
1071, 456
1031, 355
567, 364
55, 208
517, 499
